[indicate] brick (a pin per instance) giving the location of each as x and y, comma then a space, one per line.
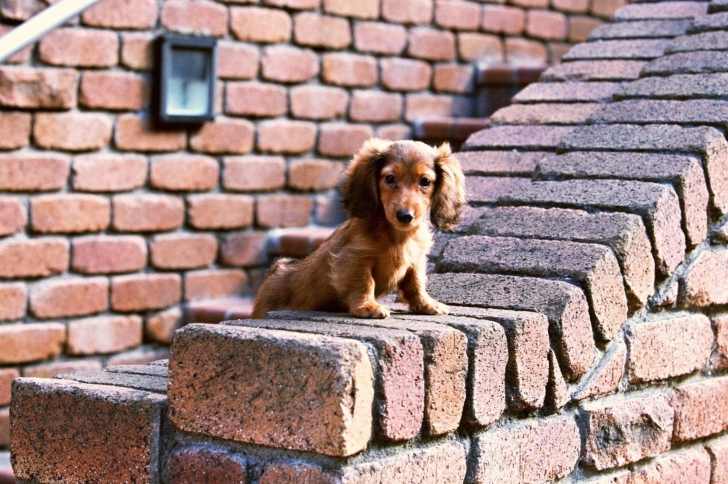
641, 29
606, 8
24, 343
13, 299
214, 284
255, 99
128, 421
298, 242
108, 255
405, 74
453, 78
72, 131
606, 375
140, 292
688, 466
717, 450
703, 141
161, 326
430, 44
236, 60
532, 451
220, 211
424, 105
594, 71
341, 366
244, 249
140, 356
328, 211
118, 14
119, 379
525, 52
184, 172
545, 113
544, 24
457, 14
400, 385
108, 172
6, 377
664, 111
57, 298
33, 172
258, 24
571, 6
699, 286
618, 49
511, 163
704, 41
351, 70
314, 175
295, 472
191, 465
33, 258
134, 133
284, 136
318, 102
282, 210
137, 51
638, 427
113, 91
480, 47
705, 23
78, 47
700, 409
566, 92
13, 216
379, 38
394, 132
675, 10
182, 251
529, 137
375, 106
105, 334
342, 140
502, 19
315, 30
14, 130
625, 234
657, 204
5, 432
719, 356
289, 64
70, 213
531, 3
197, 18
668, 347
407, 11
365, 9
253, 173
224, 136
580, 27
294, 4
687, 63
147, 213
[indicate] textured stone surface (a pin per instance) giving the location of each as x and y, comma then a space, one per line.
563, 304
701, 284
488, 189
640, 29
689, 466
705, 23
701, 409
147, 383
679, 86
693, 111
606, 375
592, 266
193, 465
545, 113
125, 424
566, 92
595, 70
33, 258
718, 450
529, 137
619, 432
672, 10
104, 334
33, 172
719, 356
618, 49
482, 163
325, 407
688, 63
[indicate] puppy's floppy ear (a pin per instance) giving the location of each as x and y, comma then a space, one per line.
359, 191
449, 196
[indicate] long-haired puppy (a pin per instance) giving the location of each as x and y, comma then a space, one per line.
391, 191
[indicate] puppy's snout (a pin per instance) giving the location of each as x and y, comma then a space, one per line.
404, 216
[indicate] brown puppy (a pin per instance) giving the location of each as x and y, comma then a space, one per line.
391, 190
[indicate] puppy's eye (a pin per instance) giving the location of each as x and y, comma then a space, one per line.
425, 182
389, 179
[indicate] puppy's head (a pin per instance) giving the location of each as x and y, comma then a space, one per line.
405, 181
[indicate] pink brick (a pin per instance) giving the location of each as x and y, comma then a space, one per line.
72, 131
281, 210
147, 213
105, 334
13, 299
342, 140
244, 249
699, 285
343, 69
258, 24
33, 258
195, 465
375, 106
407, 11
141, 292
429, 44
359, 9
108, 255
73, 46
255, 99
318, 102
37, 172
719, 356
314, 175
293, 4
718, 450
394, 132
236, 60
480, 47
113, 91
58, 298
49, 370
184, 172
453, 78
24, 343
503, 19
544, 24
122, 14
70, 213
379, 38
253, 173
134, 133
701, 409
220, 211
109, 172
182, 251
6, 377
214, 284
405, 74
457, 14
284, 136
321, 31
25, 87
137, 51
571, 6
423, 105
161, 326
13, 217
199, 18
14, 130
689, 466
283, 63
525, 52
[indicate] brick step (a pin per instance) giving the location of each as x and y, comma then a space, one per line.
213, 311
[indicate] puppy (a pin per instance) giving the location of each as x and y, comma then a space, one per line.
391, 190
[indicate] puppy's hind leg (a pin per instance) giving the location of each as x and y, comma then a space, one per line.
275, 292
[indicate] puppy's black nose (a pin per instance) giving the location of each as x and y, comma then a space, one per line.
404, 216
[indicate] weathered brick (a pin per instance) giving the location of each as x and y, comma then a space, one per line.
33, 258
405, 74
197, 18
140, 356
108, 255
255, 99
375, 106
58, 298
700, 409
528, 137
719, 356
430, 44
545, 24
457, 14
480, 47
184, 172
71, 46
182, 251
282, 210
13, 299
137, 51
119, 14
379, 38
422, 105
486, 189
394, 132
220, 211
105, 334
69, 213
147, 213
566, 92
72, 131
134, 133
294, 4
6, 377
321, 31
14, 130
407, 11
580, 28
689, 466
704, 41
13, 217
532, 451
657, 204
314, 175
545, 113
285, 136
706, 23
640, 29
619, 70
236, 60
618, 49
510, 163
525, 52
127, 421
718, 450
253, 173
283, 63
695, 111
699, 285
211, 284
362, 9
318, 102
191, 465
33, 172
606, 375
674, 10
244, 249
453, 78
108, 172
161, 326
503, 19
224, 136
352, 70
340, 366
571, 6
342, 140
687, 63
24, 343
140, 292
679, 86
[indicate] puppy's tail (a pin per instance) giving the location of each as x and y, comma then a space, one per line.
275, 292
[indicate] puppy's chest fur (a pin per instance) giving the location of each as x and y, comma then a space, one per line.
393, 263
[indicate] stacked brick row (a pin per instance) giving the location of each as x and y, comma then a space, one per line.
109, 227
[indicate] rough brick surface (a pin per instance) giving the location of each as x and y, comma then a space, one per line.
79, 47
430, 44
687, 63
14, 130
24, 343
626, 431
116, 14
33, 258
719, 356
289, 64
134, 133
342, 140
474, 47
340, 424
640, 28
137, 51
224, 136
108, 255
196, 18
220, 211
284, 136
606, 375
318, 102
379, 38
407, 11
191, 465
127, 421
321, 31
182, 251
700, 409
718, 450
679, 86
214, 284
597, 70
314, 175
55, 298
260, 24
503, 19
72, 131
161, 326
361, 9
13, 299
457, 14
244, 249
545, 113
108, 172
26, 87
145, 291
280, 210
253, 173
687, 466
13, 216
405, 74
237, 61
453, 78
566, 92
6, 377
33, 172
105, 334
518, 137
184, 172
342, 69
48, 370
700, 285
147, 213
255, 99
113, 91
673, 10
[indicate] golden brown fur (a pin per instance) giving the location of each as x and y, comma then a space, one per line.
391, 190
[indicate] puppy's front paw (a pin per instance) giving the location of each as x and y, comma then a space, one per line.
429, 307
374, 311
